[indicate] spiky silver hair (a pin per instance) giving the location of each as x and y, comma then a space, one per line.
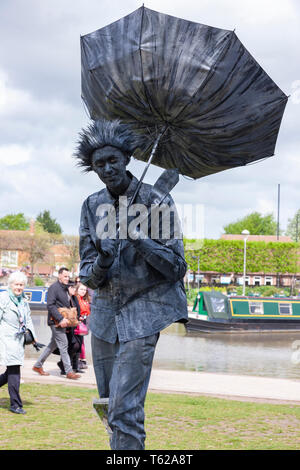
100, 133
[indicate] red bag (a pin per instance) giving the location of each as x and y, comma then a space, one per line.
81, 329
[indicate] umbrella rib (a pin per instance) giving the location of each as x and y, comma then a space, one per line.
232, 33
142, 71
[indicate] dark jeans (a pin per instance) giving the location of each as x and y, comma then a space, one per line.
122, 372
12, 377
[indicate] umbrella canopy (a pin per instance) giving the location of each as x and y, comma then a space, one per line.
195, 86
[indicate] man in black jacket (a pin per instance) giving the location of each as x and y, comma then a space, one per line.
57, 297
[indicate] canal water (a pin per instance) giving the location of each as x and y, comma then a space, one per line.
257, 354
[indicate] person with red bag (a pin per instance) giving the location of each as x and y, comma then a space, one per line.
84, 300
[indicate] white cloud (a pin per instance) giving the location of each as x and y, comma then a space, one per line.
12, 100
11, 155
273, 12
41, 110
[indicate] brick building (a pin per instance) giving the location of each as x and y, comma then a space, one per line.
13, 255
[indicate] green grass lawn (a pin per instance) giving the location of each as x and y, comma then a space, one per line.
62, 417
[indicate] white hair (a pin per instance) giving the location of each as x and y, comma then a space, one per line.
17, 276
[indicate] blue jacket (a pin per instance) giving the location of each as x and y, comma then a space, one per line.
142, 292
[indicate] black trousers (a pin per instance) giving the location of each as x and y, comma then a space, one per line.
12, 377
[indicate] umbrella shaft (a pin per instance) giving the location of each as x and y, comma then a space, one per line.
149, 162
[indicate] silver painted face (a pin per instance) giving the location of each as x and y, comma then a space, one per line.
110, 165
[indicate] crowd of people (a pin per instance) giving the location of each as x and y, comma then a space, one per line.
67, 338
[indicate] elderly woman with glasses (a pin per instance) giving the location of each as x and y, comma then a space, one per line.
15, 318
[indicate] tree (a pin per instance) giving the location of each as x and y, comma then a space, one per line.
14, 222
49, 224
293, 228
71, 242
227, 256
256, 223
36, 245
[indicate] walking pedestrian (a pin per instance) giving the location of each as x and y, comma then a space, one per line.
74, 340
84, 300
15, 317
58, 297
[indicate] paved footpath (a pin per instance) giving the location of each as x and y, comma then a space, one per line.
239, 387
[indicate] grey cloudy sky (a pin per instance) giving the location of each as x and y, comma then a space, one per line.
41, 111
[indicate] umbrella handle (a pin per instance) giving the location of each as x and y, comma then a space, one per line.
148, 163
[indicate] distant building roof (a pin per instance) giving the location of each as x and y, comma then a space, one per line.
257, 238
12, 239
45, 269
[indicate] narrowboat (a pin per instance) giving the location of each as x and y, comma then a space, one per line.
216, 312
36, 296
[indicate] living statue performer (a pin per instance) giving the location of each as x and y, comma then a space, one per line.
137, 281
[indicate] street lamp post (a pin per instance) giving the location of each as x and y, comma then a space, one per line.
246, 233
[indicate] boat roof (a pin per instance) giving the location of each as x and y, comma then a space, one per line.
256, 298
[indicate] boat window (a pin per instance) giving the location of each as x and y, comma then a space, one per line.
285, 309
218, 304
257, 280
268, 280
256, 308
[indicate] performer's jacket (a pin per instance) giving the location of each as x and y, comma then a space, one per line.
142, 291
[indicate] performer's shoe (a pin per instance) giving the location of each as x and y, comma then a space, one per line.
100, 405
18, 410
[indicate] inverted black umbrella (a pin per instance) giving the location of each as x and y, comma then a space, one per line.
198, 99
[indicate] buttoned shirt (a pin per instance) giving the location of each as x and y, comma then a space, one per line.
142, 292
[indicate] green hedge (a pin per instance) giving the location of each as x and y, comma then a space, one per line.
39, 282
226, 256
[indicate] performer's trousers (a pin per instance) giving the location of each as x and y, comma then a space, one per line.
122, 372
11, 377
